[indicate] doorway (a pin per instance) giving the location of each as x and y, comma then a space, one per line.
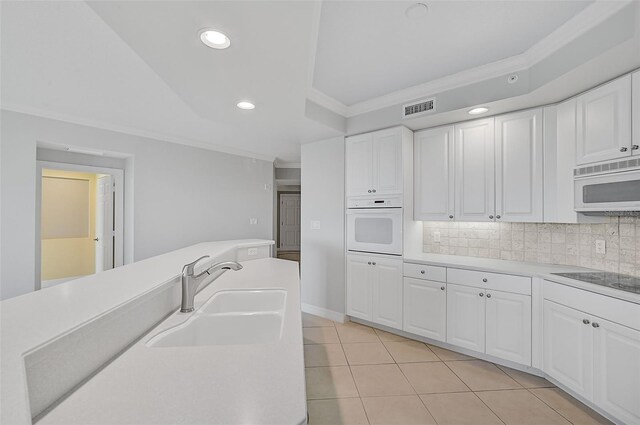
289, 226
80, 221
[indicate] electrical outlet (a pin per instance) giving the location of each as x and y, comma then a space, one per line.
252, 251
600, 246
253, 221
436, 237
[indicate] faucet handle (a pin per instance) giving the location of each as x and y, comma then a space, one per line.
188, 268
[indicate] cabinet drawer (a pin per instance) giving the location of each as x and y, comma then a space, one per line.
496, 281
420, 271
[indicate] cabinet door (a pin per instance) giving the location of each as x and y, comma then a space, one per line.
617, 370
433, 174
635, 109
359, 165
474, 171
508, 326
359, 287
519, 169
425, 308
387, 162
604, 122
568, 347
387, 292
465, 316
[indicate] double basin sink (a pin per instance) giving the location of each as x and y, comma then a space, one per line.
230, 317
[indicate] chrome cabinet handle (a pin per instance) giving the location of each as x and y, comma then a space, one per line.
595, 325
442, 288
369, 190
498, 217
491, 217
373, 263
484, 280
635, 147
488, 295
451, 217
374, 191
481, 294
585, 321
422, 272
369, 262
623, 149
96, 239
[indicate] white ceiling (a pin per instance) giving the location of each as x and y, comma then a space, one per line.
139, 67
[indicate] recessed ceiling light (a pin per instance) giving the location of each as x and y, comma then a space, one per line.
245, 105
214, 39
416, 11
476, 111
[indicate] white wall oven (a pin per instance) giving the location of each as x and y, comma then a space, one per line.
374, 226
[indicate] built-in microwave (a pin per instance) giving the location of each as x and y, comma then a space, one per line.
377, 230
607, 192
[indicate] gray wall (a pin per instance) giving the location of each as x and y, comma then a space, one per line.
322, 251
181, 195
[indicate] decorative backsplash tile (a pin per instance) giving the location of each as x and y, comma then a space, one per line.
569, 244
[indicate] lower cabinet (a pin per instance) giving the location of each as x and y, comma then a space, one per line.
465, 317
374, 289
425, 308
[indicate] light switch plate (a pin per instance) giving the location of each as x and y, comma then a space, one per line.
315, 224
436, 236
253, 221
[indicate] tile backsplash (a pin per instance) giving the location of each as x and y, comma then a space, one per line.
569, 244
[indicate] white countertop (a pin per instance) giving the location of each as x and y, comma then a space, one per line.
520, 268
221, 384
33, 319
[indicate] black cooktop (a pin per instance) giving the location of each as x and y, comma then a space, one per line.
612, 280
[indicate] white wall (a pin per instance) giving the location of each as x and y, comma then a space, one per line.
181, 195
322, 251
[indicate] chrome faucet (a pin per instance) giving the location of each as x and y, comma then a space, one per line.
191, 281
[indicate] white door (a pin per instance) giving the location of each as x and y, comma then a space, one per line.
519, 168
474, 171
466, 317
104, 224
290, 222
635, 109
508, 326
359, 165
387, 162
359, 287
425, 308
617, 370
387, 291
568, 347
433, 174
604, 122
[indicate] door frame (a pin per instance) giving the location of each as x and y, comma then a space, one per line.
118, 182
278, 241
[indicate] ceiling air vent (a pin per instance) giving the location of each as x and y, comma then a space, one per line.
422, 107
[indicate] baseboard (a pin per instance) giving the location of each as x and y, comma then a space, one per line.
323, 312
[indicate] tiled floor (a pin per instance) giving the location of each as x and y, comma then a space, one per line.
360, 375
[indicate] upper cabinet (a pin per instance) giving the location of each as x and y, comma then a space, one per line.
635, 109
474, 171
603, 123
433, 174
519, 168
374, 163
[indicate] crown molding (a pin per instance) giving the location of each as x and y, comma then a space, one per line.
132, 131
588, 18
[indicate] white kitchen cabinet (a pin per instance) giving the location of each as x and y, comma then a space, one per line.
374, 289
425, 308
635, 110
374, 163
616, 362
519, 166
603, 122
433, 174
466, 317
474, 171
508, 326
568, 347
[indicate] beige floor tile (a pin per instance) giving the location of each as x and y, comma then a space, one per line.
320, 335
380, 380
387, 336
397, 410
354, 332
360, 353
432, 377
324, 355
459, 409
573, 410
448, 355
480, 375
311, 321
330, 382
520, 407
410, 351
527, 380
340, 411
